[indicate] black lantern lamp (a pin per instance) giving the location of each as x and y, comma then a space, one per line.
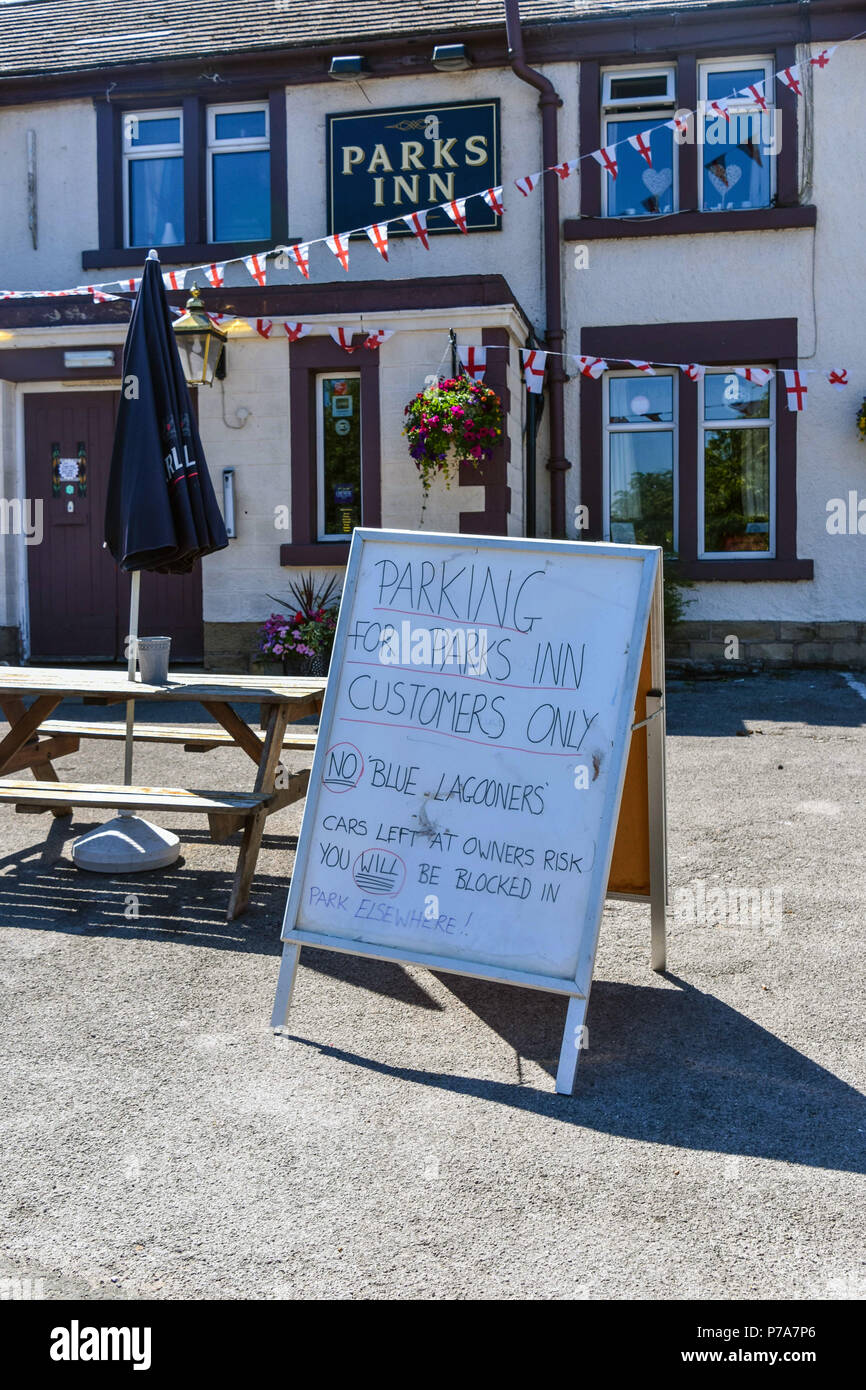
200, 343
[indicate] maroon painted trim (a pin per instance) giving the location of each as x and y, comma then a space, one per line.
308, 357
194, 171
46, 364
493, 475
590, 139
687, 155
787, 177
185, 253
277, 125
734, 342
689, 223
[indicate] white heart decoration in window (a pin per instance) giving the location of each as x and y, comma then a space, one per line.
657, 180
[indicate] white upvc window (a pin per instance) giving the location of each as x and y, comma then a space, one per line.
640, 458
153, 178
737, 150
238, 172
636, 101
736, 467
338, 455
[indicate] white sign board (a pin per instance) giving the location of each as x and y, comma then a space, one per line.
471, 754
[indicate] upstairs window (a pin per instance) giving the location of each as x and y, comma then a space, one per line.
239, 173
635, 101
739, 147
153, 178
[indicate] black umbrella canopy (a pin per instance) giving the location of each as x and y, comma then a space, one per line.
161, 512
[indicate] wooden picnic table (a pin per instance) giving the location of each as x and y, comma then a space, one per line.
279, 698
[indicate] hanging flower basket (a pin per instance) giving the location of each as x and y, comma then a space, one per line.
458, 420
861, 420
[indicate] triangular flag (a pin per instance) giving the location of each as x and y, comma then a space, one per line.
533, 369
474, 361
790, 78
693, 370
607, 159
720, 108
173, 279
680, 122
215, 274
758, 375
100, 297
755, 93
264, 327
417, 223
294, 331
795, 389
456, 210
493, 199
591, 366
377, 336
562, 171
641, 143
820, 60
343, 336
301, 256
641, 366
339, 244
378, 234
528, 183
258, 267
838, 378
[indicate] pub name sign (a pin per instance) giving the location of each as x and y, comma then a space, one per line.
386, 164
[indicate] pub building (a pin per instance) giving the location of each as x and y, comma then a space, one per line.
217, 132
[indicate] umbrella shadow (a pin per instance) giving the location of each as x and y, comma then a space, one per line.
664, 1066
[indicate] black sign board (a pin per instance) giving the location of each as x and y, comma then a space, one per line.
387, 164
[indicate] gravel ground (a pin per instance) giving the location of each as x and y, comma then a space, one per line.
404, 1139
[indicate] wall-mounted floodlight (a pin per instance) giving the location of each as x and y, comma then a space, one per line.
349, 68
229, 502
450, 57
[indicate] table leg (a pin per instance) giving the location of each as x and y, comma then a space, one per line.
24, 730
255, 825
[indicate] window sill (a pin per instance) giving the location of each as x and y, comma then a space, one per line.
743, 570
189, 252
689, 223
327, 553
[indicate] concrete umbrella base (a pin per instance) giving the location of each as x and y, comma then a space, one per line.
125, 845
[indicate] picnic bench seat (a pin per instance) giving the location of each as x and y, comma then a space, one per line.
195, 738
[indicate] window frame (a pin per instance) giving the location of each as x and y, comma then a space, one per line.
609, 102
237, 145
661, 427
741, 104
767, 422
620, 109
323, 537
130, 155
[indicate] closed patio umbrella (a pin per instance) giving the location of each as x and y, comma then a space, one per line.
161, 515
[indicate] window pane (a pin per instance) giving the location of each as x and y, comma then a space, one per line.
640, 399
152, 130
737, 490
341, 445
730, 397
642, 488
156, 202
239, 125
653, 85
242, 196
725, 84
637, 189
737, 150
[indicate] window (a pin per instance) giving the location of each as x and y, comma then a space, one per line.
738, 151
640, 454
338, 450
238, 168
636, 101
736, 467
153, 178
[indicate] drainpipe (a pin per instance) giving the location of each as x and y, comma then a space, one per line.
558, 465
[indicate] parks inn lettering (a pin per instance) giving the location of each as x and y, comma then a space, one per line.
386, 164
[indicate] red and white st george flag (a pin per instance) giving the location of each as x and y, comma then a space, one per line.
591, 366
693, 370
641, 366
173, 279
417, 223
215, 274
790, 78
377, 336
258, 267
641, 143
456, 210
339, 244
838, 378
720, 108
820, 60
759, 376
300, 254
533, 362
680, 122
493, 199
294, 331
563, 171
264, 327
796, 387
528, 183
755, 93
378, 234
474, 361
607, 159
343, 336
100, 297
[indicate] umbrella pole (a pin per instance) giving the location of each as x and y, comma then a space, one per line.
132, 641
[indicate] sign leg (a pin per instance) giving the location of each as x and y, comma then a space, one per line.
285, 985
572, 1041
